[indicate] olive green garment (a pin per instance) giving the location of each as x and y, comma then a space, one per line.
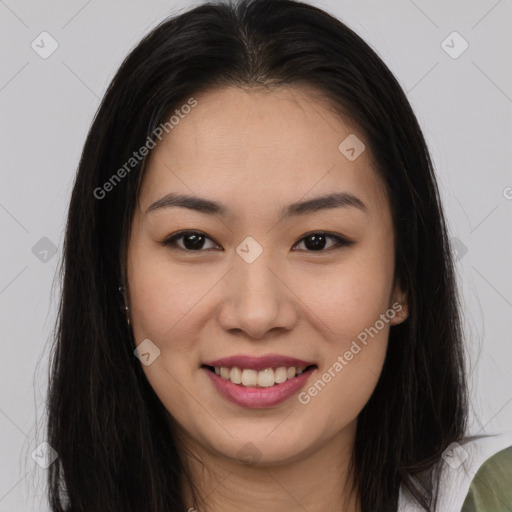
491, 488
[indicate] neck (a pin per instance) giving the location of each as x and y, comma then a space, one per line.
227, 485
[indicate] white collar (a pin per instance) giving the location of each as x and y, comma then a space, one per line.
457, 469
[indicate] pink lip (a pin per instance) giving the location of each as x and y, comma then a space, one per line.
259, 363
258, 397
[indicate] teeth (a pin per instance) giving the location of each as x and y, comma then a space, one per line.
280, 374
249, 377
264, 378
235, 375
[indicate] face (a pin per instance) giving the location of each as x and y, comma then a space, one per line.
309, 286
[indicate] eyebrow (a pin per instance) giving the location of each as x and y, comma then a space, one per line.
202, 205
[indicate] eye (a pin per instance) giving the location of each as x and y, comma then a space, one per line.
316, 241
195, 241
192, 240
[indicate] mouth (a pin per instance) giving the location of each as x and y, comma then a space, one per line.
257, 389
266, 378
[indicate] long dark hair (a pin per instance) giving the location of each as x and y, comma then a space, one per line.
115, 440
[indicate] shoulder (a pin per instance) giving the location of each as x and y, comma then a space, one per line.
491, 488
465, 473
461, 463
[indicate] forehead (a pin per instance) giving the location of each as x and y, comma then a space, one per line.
257, 147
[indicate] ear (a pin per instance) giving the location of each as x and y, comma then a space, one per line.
399, 305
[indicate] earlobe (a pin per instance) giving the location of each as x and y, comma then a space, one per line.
401, 315
400, 307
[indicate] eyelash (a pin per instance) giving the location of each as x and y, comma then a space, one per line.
171, 241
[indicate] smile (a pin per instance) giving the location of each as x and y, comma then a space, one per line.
262, 379
260, 386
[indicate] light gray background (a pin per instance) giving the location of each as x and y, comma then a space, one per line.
464, 105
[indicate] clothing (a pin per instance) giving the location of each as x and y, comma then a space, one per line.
475, 475
491, 489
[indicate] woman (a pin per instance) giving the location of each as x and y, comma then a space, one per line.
259, 308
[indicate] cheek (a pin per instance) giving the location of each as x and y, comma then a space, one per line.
163, 296
353, 302
352, 295
352, 358
340, 391
355, 320
166, 309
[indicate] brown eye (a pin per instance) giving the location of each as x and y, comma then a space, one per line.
316, 242
192, 241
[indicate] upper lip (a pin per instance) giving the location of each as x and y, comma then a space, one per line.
258, 363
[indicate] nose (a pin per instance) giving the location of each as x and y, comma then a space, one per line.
256, 299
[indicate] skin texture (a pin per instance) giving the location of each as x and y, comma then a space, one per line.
255, 151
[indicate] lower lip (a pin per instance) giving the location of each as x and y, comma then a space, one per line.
258, 397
